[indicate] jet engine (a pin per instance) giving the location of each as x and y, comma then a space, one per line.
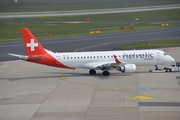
127, 68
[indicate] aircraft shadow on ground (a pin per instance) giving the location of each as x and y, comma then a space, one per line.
66, 75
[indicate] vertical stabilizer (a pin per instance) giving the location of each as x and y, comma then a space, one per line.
31, 44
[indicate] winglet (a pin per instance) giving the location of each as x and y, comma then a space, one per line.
117, 61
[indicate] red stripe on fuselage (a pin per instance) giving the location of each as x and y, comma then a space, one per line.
47, 59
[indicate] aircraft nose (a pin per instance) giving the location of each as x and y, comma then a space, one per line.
172, 59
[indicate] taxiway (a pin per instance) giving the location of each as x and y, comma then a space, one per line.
92, 42
87, 12
31, 92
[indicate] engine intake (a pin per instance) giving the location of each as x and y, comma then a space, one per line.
127, 68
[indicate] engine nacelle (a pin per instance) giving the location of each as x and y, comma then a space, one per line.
128, 68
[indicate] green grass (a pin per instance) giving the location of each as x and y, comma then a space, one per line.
150, 44
11, 31
106, 23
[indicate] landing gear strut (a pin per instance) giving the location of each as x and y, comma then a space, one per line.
92, 72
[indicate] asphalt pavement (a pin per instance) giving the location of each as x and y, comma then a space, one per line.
87, 12
92, 42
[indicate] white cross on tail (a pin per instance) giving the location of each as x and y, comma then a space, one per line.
32, 45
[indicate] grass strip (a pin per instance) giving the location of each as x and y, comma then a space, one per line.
43, 26
149, 44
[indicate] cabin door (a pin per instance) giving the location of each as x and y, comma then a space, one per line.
158, 56
58, 58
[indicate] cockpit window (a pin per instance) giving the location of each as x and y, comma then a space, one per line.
165, 54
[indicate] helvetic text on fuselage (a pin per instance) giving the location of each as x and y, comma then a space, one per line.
145, 56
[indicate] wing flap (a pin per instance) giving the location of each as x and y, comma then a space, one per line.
108, 65
103, 65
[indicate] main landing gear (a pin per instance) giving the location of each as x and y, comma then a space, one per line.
93, 72
105, 73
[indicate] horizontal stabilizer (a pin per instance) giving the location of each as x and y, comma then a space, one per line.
22, 57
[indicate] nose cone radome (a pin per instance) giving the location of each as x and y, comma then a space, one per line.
171, 59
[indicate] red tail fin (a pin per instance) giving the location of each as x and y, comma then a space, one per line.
31, 44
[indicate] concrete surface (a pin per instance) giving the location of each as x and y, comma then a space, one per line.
35, 92
88, 12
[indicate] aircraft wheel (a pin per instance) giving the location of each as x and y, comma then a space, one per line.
92, 72
106, 73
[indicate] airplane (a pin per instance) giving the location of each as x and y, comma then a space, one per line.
123, 61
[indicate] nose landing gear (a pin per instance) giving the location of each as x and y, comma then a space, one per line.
92, 72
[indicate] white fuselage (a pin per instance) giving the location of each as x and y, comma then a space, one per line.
137, 57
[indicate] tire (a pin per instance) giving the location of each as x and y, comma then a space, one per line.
106, 73
92, 72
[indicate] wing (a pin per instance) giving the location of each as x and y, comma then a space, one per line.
108, 65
